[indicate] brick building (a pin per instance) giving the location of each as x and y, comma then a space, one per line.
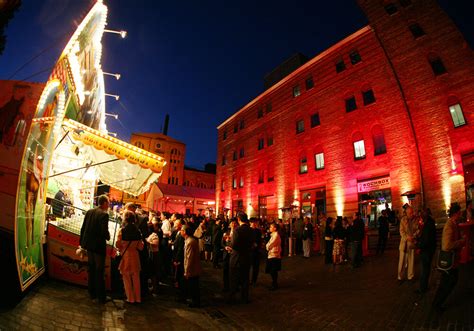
175, 178
383, 116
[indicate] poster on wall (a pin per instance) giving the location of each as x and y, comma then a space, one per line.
18, 102
31, 197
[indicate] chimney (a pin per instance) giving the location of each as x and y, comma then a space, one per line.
167, 121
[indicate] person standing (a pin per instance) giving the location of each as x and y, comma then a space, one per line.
164, 244
329, 239
153, 241
427, 245
146, 266
274, 255
406, 262
383, 232
322, 232
227, 242
356, 235
451, 241
217, 243
307, 237
339, 236
130, 242
192, 266
178, 260
256, 250
93, 238
240, 258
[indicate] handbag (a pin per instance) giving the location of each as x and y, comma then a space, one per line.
445, 260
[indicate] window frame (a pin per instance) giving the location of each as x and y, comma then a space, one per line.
416, 30
319, 162
391, 8
461, 112
437, 66
358, 148
368, 97
309, 83
298, 129
261, 143
340, 65
241, 152
260, 112
313, 123
303, 165
348, 102
296, 91
355, 57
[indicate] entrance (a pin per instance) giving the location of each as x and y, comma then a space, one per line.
237, 205
313, 203
374, 196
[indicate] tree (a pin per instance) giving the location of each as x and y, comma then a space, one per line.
7, 11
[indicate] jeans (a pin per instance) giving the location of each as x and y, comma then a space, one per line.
356, 253
448, 281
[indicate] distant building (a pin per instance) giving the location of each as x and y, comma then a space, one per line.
180, 189
384, 116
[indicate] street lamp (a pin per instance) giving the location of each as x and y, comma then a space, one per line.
122, 33
117, 97
117, 76
112, 115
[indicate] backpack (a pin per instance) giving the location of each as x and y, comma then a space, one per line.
445, 260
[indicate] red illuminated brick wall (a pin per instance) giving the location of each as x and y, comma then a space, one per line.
408, 99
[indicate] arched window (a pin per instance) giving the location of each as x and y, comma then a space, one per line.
303, 164
456, 112
139, 144
378, 140
437, 64
359, 146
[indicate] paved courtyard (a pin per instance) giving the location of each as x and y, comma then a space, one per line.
312, 296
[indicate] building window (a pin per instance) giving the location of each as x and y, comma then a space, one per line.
224, 135
437, 66
260, 113
378, 140
303, 165
269, 108
261, 143
242, 124
416, 30
241, 153
241, 182
319, 161
269, 141
234, 182
368, 97
355, 57
234, 156
309, 83
139, 144
340, 66
391, 8
261, 176
296, 91
457, 115
351, 104
315, 120
300, 126
224, 160
270, 173
405, 3
359, 149
236, 128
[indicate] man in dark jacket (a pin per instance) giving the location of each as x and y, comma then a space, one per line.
216, 240
240, 258
383, 232
178, 260
94, 236
142, 224
427, 245
356, 235
256, 250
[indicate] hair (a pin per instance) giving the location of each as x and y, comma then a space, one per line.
130, 205
357, 213
454, 208
188, 230
329, 220
129, 217
275, 225
102, 199
242, 216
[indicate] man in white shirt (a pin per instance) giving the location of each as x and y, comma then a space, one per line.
166, 228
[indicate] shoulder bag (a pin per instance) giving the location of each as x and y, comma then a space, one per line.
445, 260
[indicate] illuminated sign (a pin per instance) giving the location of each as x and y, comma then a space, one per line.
373, 185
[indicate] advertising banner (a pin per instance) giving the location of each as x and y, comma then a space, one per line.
373, 184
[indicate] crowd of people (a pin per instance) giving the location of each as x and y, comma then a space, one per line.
155, 248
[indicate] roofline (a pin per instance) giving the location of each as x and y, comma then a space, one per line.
147, 135
310, 62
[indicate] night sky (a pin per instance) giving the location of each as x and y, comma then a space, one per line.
199, 61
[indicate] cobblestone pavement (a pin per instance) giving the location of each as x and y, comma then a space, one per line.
311, 296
